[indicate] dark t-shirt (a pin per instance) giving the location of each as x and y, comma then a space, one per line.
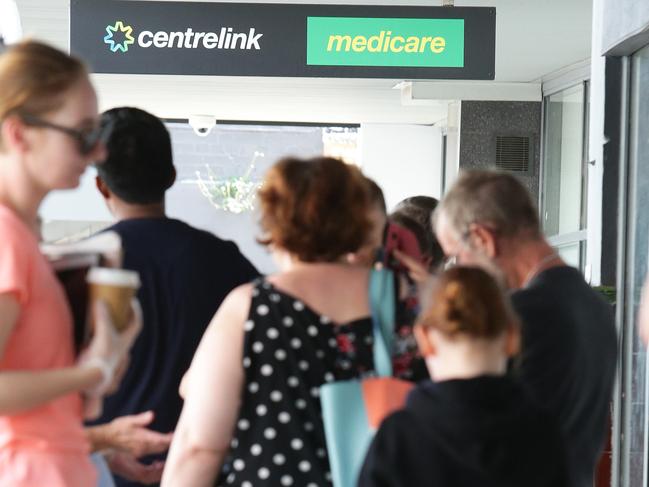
185, 274
568, 361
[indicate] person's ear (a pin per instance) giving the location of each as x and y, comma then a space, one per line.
484, 239
12, 131
424, 341
172, 178
512, 341
102, 187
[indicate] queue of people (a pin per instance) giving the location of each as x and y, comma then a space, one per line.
512, 353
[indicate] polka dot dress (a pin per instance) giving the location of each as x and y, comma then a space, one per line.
289, 352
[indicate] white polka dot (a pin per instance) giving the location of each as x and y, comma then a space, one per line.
276, 396
253, 387
321, 453
345, 364
351, 336
300, 404
328, 476
234, 443
333, 343
315, 392
272, 333
296, 343
270, 433
243, 424
308, 426
257, 347
325, 320
320, 354
369, 339
307, 485
329, 377
284, 417
280, 354
275, 298
248, 484
266, 370
265, 285
288, 321
246, 362
255, 292
297, 444
231, 478
262, 310
248, 325
261, 410
312, 330
239, 464
304, 466
256, 449
303, 365
279, 459
263, 473
293, 381
298, 305
286, 480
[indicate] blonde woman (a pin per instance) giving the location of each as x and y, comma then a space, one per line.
48, 136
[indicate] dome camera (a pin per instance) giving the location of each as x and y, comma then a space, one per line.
202, 124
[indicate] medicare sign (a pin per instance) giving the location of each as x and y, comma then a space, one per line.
229, 39
385, 42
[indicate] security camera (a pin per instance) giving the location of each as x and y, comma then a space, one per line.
202, 124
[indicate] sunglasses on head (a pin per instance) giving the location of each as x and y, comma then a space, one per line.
87, 139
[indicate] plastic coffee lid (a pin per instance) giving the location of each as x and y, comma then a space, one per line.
113, 277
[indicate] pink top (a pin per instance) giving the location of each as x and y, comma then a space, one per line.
48, 441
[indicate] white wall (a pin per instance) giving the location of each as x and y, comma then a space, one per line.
81, 204
405, 160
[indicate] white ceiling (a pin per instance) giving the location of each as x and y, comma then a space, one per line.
533, 39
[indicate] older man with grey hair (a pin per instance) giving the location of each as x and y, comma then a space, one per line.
569, 348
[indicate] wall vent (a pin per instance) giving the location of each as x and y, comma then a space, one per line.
513, 153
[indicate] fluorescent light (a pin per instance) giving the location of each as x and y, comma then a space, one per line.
10, 28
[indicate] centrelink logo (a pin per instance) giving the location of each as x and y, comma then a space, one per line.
120, 36
125, 31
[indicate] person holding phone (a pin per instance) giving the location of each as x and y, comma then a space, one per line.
49, 134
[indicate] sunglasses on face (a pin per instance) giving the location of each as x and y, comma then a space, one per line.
87, 139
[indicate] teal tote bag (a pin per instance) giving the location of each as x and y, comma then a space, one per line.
352, 410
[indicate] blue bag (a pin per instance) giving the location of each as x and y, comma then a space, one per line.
352, 410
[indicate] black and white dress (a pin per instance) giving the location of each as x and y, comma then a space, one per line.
289, 352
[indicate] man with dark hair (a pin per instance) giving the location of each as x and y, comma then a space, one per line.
569, 339
185, 272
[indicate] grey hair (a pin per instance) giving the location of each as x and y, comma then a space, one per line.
494, 199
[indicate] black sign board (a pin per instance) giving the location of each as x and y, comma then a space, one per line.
254, 39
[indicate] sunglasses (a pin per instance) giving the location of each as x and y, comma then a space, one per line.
87, 139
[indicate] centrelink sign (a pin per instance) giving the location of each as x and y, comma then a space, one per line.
254, 39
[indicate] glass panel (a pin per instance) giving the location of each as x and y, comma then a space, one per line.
218, 175
634, 459
563, 161
571, 253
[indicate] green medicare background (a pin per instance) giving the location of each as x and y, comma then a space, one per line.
320, 28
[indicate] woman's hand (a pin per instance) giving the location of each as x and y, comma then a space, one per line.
416, 270
109, 348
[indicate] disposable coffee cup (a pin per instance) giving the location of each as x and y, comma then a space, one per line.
116, 287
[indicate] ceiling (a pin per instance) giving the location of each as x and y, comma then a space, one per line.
533, 39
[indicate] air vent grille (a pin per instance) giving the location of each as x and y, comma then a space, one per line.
513, 153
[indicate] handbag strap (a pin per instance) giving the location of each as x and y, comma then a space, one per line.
383, 308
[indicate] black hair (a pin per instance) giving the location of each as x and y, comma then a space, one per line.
139, 168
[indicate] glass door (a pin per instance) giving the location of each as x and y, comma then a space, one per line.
632, 393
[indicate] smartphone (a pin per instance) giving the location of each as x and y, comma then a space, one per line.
402, 239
